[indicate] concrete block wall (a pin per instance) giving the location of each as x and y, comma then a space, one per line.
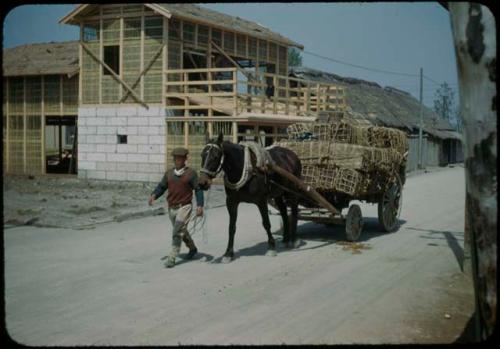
101, 157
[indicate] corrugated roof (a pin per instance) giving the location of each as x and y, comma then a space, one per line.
41, 59
201, 14
385, 106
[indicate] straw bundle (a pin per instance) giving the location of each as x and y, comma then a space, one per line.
345, 157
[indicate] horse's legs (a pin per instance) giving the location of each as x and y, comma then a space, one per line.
294, 217
264, 212
232, 208
284, 217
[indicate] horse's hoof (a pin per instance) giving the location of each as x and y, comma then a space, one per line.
271, 253
226, 259
296, 244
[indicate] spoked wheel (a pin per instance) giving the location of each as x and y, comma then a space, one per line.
353, 223
389, 206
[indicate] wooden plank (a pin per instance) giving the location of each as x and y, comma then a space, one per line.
114, 75
199, 70
190, 107
8, 127
138, 79
232, 60
101, 54
198, 82
201, 94
80, 57
44, 170
305, 188
24, 125
164, 60
142, 53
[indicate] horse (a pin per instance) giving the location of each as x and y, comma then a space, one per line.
257, 188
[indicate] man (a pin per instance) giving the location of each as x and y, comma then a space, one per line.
180, 182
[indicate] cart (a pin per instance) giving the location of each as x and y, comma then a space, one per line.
326, 207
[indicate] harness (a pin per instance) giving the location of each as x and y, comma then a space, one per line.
204, 169
246, 173
260, 164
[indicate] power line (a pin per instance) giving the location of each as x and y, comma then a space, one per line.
359, 66
439, 84
377, 70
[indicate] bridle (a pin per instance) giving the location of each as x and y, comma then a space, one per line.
204, 169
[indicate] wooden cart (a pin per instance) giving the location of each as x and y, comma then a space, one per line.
326, 208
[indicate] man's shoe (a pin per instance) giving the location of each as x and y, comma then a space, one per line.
191, 253
170, 262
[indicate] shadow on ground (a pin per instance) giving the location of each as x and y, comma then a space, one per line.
454, 239
308, 232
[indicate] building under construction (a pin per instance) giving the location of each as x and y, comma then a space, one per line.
144, 78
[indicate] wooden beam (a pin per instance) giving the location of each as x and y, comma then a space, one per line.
101, 49
240, 68
7, 141
142, 51
80, 61
43, 125
150, 64
114, 75
315, 196
120, 92
24, 124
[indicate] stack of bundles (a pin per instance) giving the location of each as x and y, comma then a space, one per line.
345, 157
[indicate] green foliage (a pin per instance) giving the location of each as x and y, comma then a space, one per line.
444, 105
294, 57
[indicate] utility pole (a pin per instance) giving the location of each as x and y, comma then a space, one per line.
421, 122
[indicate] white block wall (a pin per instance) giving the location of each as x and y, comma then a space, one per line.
101, 157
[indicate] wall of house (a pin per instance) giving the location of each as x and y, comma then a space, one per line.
100, 156
27, 101
433, 152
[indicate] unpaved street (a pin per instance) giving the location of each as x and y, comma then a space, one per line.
108, 286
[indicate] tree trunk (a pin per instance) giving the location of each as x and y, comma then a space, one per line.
474, 34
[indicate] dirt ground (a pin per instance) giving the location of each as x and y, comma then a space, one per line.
68, 202
108, 286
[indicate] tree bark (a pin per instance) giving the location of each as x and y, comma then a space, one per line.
474, 33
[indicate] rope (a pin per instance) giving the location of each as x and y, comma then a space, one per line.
196, 223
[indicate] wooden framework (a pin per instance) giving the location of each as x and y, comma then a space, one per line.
224, 96
190, 36
25, 112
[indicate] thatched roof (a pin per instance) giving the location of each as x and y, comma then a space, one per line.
41, 59
200, 14
386, 106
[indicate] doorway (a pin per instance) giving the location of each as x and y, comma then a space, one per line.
60, 144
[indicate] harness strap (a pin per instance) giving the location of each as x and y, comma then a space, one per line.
245, 175
208, 172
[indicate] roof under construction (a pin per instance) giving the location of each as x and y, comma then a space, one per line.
41, 59
192, 12
386, 106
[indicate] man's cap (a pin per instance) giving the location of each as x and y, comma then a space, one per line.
180, 151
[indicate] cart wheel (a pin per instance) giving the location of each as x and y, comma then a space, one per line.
389, 206
353, 223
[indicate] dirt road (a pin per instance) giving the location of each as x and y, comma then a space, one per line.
108, 286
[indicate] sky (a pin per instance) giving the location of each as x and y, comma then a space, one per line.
395, 37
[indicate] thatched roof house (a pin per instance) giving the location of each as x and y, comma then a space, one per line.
41, 59
386, 106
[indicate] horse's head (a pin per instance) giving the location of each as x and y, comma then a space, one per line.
212, 157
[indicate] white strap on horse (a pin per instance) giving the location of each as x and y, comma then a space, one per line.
245, 175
